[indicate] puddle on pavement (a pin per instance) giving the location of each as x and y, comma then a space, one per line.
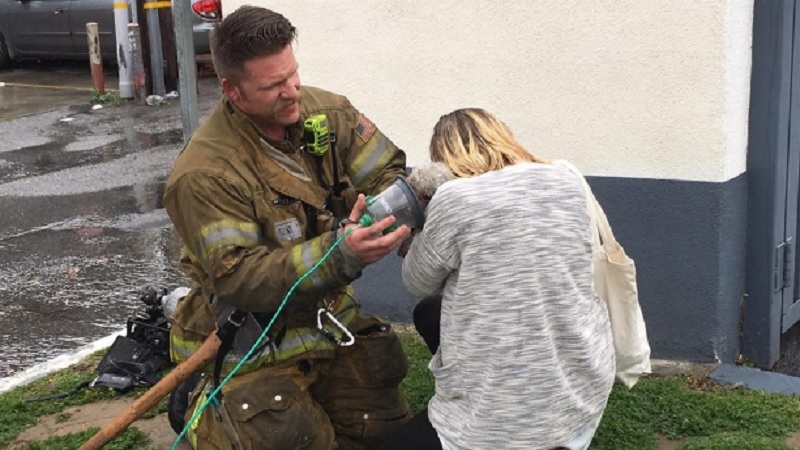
168, 137
71, 267
20, 142
86, 143
57, 83
64, 154
131, 208
76, 245
74, 286
20, 101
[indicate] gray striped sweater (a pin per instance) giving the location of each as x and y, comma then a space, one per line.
526, 359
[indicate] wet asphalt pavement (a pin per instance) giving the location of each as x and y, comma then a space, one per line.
81, 221
82, 226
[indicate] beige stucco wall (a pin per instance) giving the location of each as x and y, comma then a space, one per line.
630, 88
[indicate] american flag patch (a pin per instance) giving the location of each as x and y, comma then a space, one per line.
365, 128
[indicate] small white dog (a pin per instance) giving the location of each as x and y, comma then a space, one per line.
425, 179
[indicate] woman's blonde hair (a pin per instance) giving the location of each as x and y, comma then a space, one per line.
472, 141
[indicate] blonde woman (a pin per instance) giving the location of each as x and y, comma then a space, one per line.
525, 358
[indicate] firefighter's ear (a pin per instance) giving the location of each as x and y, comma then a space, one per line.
231, 90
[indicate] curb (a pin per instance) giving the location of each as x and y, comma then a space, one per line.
60, 362
660, 367
668, 367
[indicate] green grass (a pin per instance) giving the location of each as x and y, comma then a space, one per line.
18, 413
109, 98
669, 406
712, 416
418, 385
709, 416
160, 408
130, 439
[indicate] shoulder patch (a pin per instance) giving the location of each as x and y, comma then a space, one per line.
365, 128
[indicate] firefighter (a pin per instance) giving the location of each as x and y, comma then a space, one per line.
263, 189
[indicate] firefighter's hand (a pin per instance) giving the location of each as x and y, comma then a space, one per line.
370, 244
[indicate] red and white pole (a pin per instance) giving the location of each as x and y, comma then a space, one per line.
96, 61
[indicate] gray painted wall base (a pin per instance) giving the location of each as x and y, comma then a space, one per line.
688, 240
757, 379
381, 292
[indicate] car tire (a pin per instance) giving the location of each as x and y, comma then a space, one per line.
5, 56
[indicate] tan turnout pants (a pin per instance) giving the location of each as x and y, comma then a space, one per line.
350, 402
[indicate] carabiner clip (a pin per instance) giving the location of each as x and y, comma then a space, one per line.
329, 335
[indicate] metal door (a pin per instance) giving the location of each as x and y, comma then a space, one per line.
790, 288
771, 304
41, 27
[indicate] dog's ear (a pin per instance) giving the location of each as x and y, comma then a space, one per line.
426, 178
402, 250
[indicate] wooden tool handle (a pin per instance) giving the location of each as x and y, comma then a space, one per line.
199, 359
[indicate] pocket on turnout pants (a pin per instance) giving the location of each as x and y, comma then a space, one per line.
376, 359
269, 414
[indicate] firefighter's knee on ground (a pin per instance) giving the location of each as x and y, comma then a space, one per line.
361, 390
261, 412
356, 397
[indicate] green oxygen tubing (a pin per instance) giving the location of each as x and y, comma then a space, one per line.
398, 200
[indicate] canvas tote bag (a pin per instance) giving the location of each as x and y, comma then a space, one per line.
614, 275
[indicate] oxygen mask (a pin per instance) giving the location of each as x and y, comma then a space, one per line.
399, 201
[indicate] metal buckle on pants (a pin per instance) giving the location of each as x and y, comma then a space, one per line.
328, 334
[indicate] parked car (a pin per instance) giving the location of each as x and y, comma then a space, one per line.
45, 29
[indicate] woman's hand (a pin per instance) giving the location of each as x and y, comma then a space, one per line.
370, 244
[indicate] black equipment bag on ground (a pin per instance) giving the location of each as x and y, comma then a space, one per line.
128, 364
136, 359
